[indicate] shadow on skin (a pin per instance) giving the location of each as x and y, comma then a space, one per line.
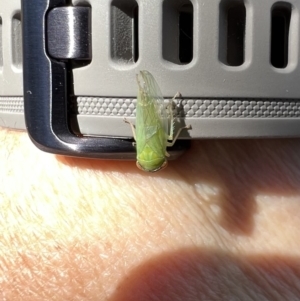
194, 274
238, 169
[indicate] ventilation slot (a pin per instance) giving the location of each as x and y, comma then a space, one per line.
178, 33
17, 41
124, 31
1, 45
280, 27
232, 32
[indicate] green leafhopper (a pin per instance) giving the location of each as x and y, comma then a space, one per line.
154, 125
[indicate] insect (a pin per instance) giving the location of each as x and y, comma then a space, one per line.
151, 132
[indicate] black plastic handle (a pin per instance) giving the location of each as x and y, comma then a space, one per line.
46, 96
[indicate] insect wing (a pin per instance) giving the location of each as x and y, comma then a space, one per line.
154, 95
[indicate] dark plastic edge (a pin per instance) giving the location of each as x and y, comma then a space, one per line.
46, 96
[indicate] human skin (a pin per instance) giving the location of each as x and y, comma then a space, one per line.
220, 223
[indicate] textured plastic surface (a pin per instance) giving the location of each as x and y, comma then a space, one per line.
12, 112
254, 99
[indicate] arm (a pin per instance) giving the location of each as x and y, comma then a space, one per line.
220, 222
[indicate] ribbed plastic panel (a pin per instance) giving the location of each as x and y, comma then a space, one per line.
235, 62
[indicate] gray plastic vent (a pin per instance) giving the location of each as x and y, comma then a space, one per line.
225, 62
1, 45
232, 24
124, 31
177, 31
281, 18
17, 41
235, 62
11, 81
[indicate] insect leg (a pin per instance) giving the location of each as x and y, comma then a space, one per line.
171, 118
188, 127
177, 95
170, 109
132, 127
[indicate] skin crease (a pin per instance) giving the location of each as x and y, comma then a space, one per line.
220, 223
